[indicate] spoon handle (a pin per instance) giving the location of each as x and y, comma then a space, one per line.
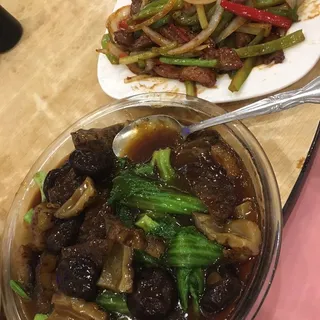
278, 102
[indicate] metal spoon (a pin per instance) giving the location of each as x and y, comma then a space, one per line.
279, 102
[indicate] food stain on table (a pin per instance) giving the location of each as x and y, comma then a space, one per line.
300, 162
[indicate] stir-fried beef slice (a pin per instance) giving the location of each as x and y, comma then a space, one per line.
96, 250
116, 231
204, 76
168, 71
242, 39
124, 38
143, 42
276, 57
26, 263
42, 220
96, 140
228, 58
60, 184
63, 234
45, 282
94, 226
135, 6
175, 33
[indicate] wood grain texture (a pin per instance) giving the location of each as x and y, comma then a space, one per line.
49, 81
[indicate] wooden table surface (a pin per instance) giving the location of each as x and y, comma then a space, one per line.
49, 81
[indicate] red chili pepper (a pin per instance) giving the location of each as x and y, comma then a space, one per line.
123, 24
122, 55
256, 14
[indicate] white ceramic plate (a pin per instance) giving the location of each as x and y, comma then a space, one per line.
263, 80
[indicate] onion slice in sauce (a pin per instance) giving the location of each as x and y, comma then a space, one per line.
115, 18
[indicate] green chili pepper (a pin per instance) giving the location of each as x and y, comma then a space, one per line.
262, 4
280, 11
158, 24
104, 44
154, 7
40, 316
189, 62
271, 46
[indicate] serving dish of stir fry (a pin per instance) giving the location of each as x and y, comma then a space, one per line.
172, 231
198, 41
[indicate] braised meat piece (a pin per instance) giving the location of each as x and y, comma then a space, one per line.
204, 76
124, 38
60, 184
276, 57
228, 58
97, 140
94, 224
242, 39
167, 71
45, 281
96, 250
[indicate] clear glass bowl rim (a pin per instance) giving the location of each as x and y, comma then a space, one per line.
252, 306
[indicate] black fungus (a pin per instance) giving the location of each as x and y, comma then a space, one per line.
62, 235
220, 294
97, 165
154, 295
77, 277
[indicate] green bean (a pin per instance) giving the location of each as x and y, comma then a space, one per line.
191, 88
154, 7
271, 46
158, 24
226, 18
189, 62
137, 57
289, 13
257, 39
17, 288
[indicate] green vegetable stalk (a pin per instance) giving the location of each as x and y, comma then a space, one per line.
40, 316
183, 277
161, 159
39, 178
28, 216
271, 46
160, 23
190, 249
104, 44
290, 13
226, 18
113, 302
143, 258
189, 62
157, 228
263, 4
134, 191
17, 288
191, 88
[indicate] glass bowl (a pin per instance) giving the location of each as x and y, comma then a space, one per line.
187, 109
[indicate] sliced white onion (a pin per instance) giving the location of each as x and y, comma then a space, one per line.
200, 1
235, 24
115, 18
203, 35
149, 65
156, 37
113, 49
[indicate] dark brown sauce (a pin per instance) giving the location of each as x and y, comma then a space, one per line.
150, 137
